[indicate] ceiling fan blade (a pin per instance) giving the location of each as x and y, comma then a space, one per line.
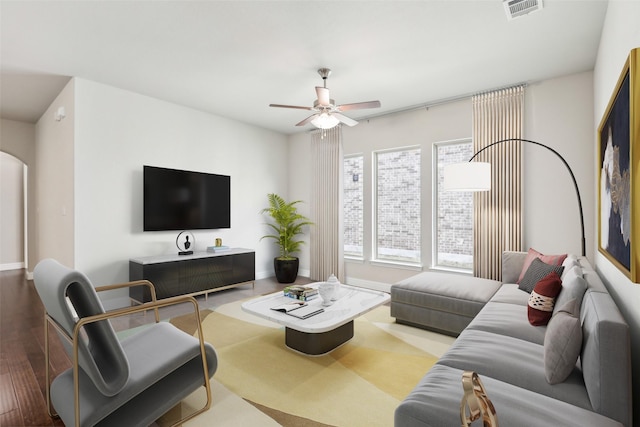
358, 106
307, 120
290, 106
323, 96
344, 119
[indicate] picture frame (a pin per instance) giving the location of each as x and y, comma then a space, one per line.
619, 173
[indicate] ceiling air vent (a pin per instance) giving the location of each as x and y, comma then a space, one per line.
517, 8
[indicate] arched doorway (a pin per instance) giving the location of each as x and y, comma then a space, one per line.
13, 220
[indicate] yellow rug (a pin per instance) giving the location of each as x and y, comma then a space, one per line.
260, 381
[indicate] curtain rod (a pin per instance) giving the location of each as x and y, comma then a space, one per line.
443, 101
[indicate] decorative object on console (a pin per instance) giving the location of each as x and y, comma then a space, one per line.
287, 224
618, 201
471, 176
185, 243
218, 242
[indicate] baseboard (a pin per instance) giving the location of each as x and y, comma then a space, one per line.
369, 284
271, 273
12, 266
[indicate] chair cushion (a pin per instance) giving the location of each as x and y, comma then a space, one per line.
154, 352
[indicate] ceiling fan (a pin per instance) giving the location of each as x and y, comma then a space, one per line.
326, 113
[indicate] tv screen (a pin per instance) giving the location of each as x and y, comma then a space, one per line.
185, 200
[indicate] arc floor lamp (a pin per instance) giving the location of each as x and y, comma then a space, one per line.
476, 176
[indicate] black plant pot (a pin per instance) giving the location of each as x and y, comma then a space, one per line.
286, 269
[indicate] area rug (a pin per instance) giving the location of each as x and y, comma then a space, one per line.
260, 382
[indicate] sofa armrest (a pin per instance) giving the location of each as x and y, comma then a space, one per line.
512, 262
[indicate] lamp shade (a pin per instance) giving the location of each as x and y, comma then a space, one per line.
468, 176
325, 121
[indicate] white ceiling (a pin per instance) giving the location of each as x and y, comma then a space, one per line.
234, 58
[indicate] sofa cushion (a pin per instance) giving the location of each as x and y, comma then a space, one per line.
508, 319
543, 298
536, 271
514, 361
451, 293
547, 259
435, 402
562, 342
510, 294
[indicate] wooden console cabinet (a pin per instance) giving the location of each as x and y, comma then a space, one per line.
199, 273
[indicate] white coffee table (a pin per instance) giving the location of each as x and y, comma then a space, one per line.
324, 332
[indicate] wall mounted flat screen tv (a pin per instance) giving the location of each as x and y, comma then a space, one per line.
185, 200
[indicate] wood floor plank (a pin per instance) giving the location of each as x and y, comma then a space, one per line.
28, 392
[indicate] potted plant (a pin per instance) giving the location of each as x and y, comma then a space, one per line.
287, 224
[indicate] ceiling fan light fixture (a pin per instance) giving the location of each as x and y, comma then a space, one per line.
325, 121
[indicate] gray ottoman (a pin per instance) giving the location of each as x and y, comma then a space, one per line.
440, 302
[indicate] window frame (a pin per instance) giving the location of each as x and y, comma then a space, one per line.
435, 203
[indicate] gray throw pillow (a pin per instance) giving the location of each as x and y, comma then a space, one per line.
573, 287
536, 271
562, 343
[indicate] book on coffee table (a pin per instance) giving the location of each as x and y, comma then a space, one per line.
305, 311
288, 306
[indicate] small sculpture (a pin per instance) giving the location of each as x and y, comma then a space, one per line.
333, 280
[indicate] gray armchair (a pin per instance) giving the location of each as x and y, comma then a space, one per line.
116, 382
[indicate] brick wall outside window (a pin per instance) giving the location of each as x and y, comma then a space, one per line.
398, 205
454, 213
353, 200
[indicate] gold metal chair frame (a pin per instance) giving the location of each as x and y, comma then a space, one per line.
154, 305
475, 398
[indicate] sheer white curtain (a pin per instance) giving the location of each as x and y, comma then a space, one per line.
327, 243
498, 115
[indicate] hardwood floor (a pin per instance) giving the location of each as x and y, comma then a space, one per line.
22, 365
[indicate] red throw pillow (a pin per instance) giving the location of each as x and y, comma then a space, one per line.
547, 259
543, 298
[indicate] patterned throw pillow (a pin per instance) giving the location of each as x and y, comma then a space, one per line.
547, 259
536, 271
543, 298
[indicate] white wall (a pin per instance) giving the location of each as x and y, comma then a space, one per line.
12, 213
621, 34
117, 132
55, 181
19, 140
558, 113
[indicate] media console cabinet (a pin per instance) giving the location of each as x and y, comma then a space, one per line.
198, 273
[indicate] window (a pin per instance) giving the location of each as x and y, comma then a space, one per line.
453, 234
353, 200
397, 201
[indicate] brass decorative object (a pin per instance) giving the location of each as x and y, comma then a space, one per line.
476, 400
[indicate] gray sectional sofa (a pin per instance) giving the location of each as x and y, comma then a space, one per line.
508, 353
